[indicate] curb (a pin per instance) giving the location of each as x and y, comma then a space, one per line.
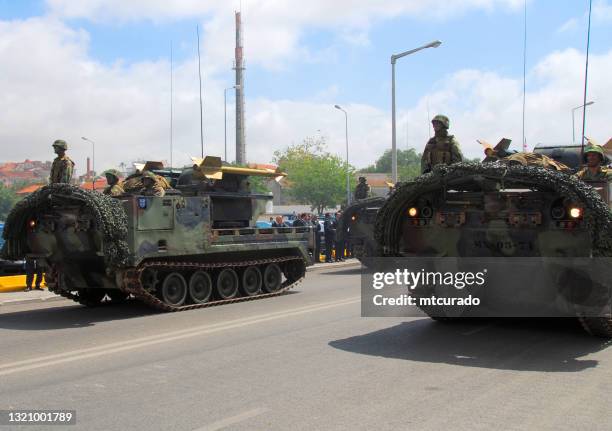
313, 268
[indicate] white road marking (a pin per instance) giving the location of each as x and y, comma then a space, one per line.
233, 420
135, 343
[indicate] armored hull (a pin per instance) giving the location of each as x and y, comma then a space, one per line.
183, 250
493, 210
356, 228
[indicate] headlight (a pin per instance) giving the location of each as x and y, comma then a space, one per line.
412, 212
575, 212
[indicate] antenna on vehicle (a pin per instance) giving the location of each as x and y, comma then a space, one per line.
201, 109
586, 74
524, 74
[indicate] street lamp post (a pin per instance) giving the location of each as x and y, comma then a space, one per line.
573, 121
348, 181
225, 114
93, 162
394, 58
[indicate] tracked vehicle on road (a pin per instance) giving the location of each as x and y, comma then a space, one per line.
482, 210
196, 246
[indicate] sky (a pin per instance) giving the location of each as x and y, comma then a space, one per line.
101, 69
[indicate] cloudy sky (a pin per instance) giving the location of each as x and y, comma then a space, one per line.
101, 69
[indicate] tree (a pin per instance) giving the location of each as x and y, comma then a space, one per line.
8, 199
408, 164
316, 177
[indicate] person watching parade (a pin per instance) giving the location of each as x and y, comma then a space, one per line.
442, 148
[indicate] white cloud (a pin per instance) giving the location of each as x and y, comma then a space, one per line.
50, 88
273, 28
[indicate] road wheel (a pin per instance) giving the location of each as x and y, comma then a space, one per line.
200, 287
251, 281
227, 283
272, 278
174, 289
294, 270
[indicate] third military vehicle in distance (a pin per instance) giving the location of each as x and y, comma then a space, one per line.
198, 245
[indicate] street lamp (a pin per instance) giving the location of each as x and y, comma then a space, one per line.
93, 162
573, 126
434, 44
225, 114
348, 183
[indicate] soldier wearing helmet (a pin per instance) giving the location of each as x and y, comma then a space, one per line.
442, 148
114, 188
362, 190
151, 187
62, 167
595, 159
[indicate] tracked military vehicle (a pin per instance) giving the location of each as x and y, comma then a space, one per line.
356, 228
503, 210
196, 246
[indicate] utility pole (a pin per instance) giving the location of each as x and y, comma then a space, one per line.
239, 85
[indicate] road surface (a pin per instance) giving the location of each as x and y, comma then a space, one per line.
302, 361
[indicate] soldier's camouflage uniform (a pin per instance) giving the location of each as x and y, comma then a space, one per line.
152, 187
61, 170
114, 190
362, 190
602, 173
441, 149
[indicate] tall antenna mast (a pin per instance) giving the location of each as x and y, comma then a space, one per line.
586, 74
171, 103
524, 76
200, 76
239, 68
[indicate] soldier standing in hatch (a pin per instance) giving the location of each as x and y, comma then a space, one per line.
362, 190
62, 167
442, 148
150, 185
113, 188
594, 157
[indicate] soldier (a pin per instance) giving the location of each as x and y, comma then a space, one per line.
362, 190
594, 157
442, 148
150, 185
114, 188
61, 170
317, 232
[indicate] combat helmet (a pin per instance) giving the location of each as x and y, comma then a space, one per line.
442, 119
61, 144
596, 149
150, 175
113, 172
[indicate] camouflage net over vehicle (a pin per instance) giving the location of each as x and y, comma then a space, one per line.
475, 176
109, 215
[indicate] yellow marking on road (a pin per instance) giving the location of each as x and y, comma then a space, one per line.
135, 343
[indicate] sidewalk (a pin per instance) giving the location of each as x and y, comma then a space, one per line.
16, 297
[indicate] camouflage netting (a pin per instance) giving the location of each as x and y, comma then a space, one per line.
471, 176
109, 215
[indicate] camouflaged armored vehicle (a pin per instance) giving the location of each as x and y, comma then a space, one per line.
196, 246
500, 210
356, 228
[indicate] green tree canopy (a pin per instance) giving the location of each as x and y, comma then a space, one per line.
408, 164
316, 177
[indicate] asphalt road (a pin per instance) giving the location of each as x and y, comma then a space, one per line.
302, 361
